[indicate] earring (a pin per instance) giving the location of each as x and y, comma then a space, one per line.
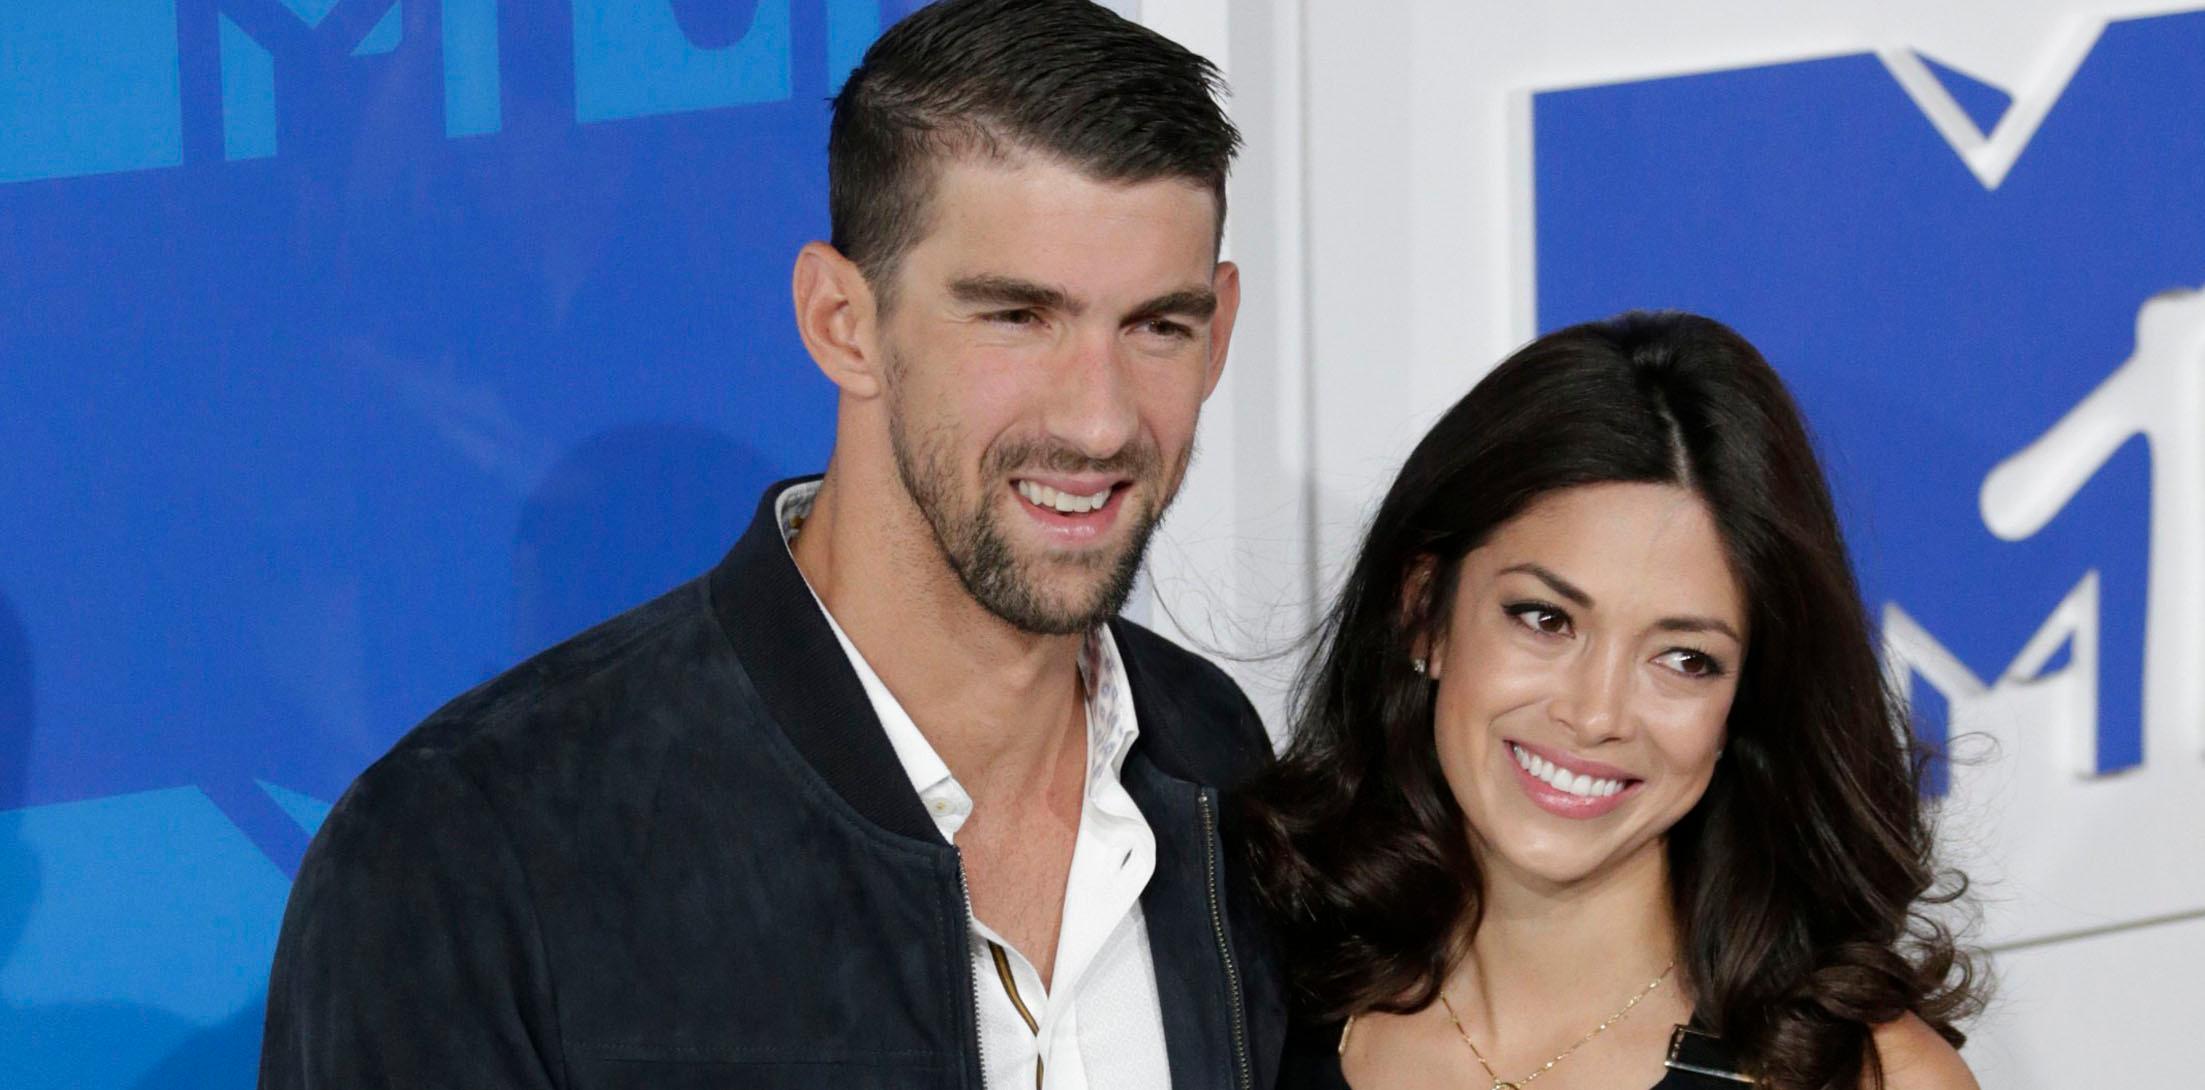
1417, 664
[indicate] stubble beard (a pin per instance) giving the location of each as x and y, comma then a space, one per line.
977, 547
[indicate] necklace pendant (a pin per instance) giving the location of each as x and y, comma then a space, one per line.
1499, 1085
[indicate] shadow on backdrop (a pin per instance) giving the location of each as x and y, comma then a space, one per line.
624, 517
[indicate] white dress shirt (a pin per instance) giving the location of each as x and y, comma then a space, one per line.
1100, 1024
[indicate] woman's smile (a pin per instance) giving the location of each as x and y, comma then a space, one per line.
1567, 786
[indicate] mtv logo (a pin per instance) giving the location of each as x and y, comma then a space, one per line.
2021, 792
98, 87
1988, 311
95, 88
89, 88
640, 58
249, 50
2159, 393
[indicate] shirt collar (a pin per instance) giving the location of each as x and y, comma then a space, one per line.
1112, 726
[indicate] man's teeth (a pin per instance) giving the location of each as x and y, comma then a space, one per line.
1575, 783
1041, 495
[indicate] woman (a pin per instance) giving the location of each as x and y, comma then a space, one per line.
1597, 748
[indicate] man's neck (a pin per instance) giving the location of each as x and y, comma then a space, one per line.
997, 704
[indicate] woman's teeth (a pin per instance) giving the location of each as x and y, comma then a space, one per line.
1064, 503
1575, 783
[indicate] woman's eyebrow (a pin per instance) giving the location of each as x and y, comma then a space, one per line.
1571, 591
1560, 585
1697, 624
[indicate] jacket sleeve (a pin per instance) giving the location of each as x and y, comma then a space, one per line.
410, 954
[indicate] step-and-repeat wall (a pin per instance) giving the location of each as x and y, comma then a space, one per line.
350, 350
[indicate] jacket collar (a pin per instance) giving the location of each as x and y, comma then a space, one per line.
807, 684
809, 687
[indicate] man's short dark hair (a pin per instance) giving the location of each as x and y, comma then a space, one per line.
1068, 79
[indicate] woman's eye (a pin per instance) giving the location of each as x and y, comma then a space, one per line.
1542, 619
1691, 663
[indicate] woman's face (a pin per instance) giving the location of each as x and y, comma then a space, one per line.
1584, 676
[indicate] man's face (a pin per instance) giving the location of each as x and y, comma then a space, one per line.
1050, 345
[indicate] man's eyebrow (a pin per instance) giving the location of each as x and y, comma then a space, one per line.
1009, 291
1560, 585
1196, 304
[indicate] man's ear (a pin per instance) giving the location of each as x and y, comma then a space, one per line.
1226, 283
837, 316
1419, 614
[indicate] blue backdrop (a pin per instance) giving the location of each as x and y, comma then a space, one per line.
350, 350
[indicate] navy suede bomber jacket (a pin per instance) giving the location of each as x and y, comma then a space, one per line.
677, 851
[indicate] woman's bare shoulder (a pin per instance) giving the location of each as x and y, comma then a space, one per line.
1916, 1057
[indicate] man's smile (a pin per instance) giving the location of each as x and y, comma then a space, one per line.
1072, 511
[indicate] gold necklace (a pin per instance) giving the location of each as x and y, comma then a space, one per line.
1500, 1083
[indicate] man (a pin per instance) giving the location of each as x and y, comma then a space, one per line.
890, 798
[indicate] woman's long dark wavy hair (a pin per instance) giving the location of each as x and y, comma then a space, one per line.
1799, 880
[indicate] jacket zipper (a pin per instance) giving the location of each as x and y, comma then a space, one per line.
972, 975
1234, 1004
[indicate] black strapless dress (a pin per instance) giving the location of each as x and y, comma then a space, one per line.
1697, 1061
